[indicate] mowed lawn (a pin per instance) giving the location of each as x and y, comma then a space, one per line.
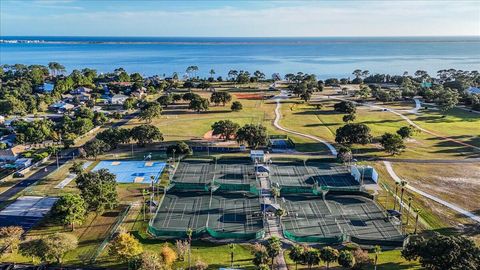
179, 123
323, 123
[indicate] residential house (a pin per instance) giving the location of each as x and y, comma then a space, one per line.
80, 90
473, 90
117, 99
140, 93
8, 140
84, 97
11, 154
61, 107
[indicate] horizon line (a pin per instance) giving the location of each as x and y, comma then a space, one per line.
187, 36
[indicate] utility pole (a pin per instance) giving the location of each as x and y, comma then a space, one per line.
56, 153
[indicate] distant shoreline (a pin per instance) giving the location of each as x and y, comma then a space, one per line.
231, 41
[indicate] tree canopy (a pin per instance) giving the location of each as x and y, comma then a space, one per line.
392, 143
354, 133
98, 189
70, 209
225, 128
443, 252
345, 107
144, 134
253, 135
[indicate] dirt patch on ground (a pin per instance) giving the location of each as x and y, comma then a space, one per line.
217, 141
250, 96
455, 183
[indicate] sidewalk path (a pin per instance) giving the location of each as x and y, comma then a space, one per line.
273, 224
71, 176
455, 208
332, 149
408, 121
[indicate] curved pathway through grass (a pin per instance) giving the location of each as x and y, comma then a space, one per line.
454, 207
409, 121
278, 116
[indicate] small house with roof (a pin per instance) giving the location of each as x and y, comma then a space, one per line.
117, 99
11, 154
80, 90
61, 107
473, 90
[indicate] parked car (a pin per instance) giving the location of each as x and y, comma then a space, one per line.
18, 175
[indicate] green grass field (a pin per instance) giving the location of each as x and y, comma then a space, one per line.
179, 124
323, 123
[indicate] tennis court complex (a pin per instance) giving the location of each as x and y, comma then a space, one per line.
193, 171
336, 219
234, 215
234, 173
202, 175
302, 175
133, 171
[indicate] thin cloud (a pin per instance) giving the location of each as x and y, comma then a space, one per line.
305, 19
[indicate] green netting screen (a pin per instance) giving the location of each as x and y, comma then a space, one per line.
202, 231
189, 186
296, 190
315, 239
395, 242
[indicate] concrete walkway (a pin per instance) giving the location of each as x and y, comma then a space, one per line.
408, 121
272, 223
278, 114
418, 106
71, 176
454, 207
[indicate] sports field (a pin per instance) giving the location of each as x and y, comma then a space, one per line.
128, 171
198, 172
238, 172
26, 211
221, 215
335, 219
298, 174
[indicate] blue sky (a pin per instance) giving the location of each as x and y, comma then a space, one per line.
239, 18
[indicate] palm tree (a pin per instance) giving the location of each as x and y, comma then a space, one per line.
296, 254
280, 213
377, 249
417, 211
395, 197
275, 193
403, 183
409, 207
232, 249
189, 234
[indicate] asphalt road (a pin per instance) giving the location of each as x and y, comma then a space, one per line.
42, 173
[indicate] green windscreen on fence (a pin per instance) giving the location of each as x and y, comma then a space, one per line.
315, 239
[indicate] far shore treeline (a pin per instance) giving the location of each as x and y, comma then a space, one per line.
23, 88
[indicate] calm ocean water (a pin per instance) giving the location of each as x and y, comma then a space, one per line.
325, 57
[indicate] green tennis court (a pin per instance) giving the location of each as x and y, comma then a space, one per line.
335, 219
198, 172
305, 175
231, 215
234, 173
